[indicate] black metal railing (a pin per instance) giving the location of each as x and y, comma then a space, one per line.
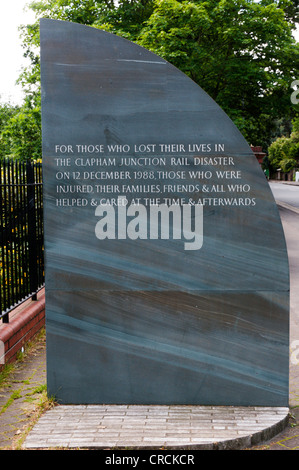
21, 233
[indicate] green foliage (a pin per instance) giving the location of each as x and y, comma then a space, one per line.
295, 133
241, 52
288, 164
20, 132
7, 112
284, 151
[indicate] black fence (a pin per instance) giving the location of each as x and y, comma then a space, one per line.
21, 233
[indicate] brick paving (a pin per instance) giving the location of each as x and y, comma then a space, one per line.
154, 427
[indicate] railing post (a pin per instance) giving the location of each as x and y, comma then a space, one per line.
3, 222
5, 318
32, 241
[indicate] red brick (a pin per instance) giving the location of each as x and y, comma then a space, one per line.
25, 322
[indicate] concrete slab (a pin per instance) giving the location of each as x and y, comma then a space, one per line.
154, 427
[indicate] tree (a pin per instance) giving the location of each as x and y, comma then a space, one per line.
241, 52
284, 151
7, 112
20, 131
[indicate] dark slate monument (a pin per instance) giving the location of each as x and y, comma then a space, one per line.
166, 265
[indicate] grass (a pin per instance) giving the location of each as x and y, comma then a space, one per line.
16, 394
5, 373
35, 400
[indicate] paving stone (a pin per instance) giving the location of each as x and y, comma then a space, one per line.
126, 426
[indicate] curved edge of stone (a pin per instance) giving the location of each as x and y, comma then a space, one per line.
245, 441
255, 438
237, 443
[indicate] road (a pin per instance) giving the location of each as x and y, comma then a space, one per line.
286, 193
287, 198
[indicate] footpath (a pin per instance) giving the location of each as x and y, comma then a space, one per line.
28, 419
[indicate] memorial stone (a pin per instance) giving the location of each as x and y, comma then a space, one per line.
166, 266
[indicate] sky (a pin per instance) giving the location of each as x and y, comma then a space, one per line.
12, 15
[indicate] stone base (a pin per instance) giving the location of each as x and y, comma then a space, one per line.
153, 427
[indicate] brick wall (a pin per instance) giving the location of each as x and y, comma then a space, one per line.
25, 322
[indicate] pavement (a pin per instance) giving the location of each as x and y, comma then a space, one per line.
30, 421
